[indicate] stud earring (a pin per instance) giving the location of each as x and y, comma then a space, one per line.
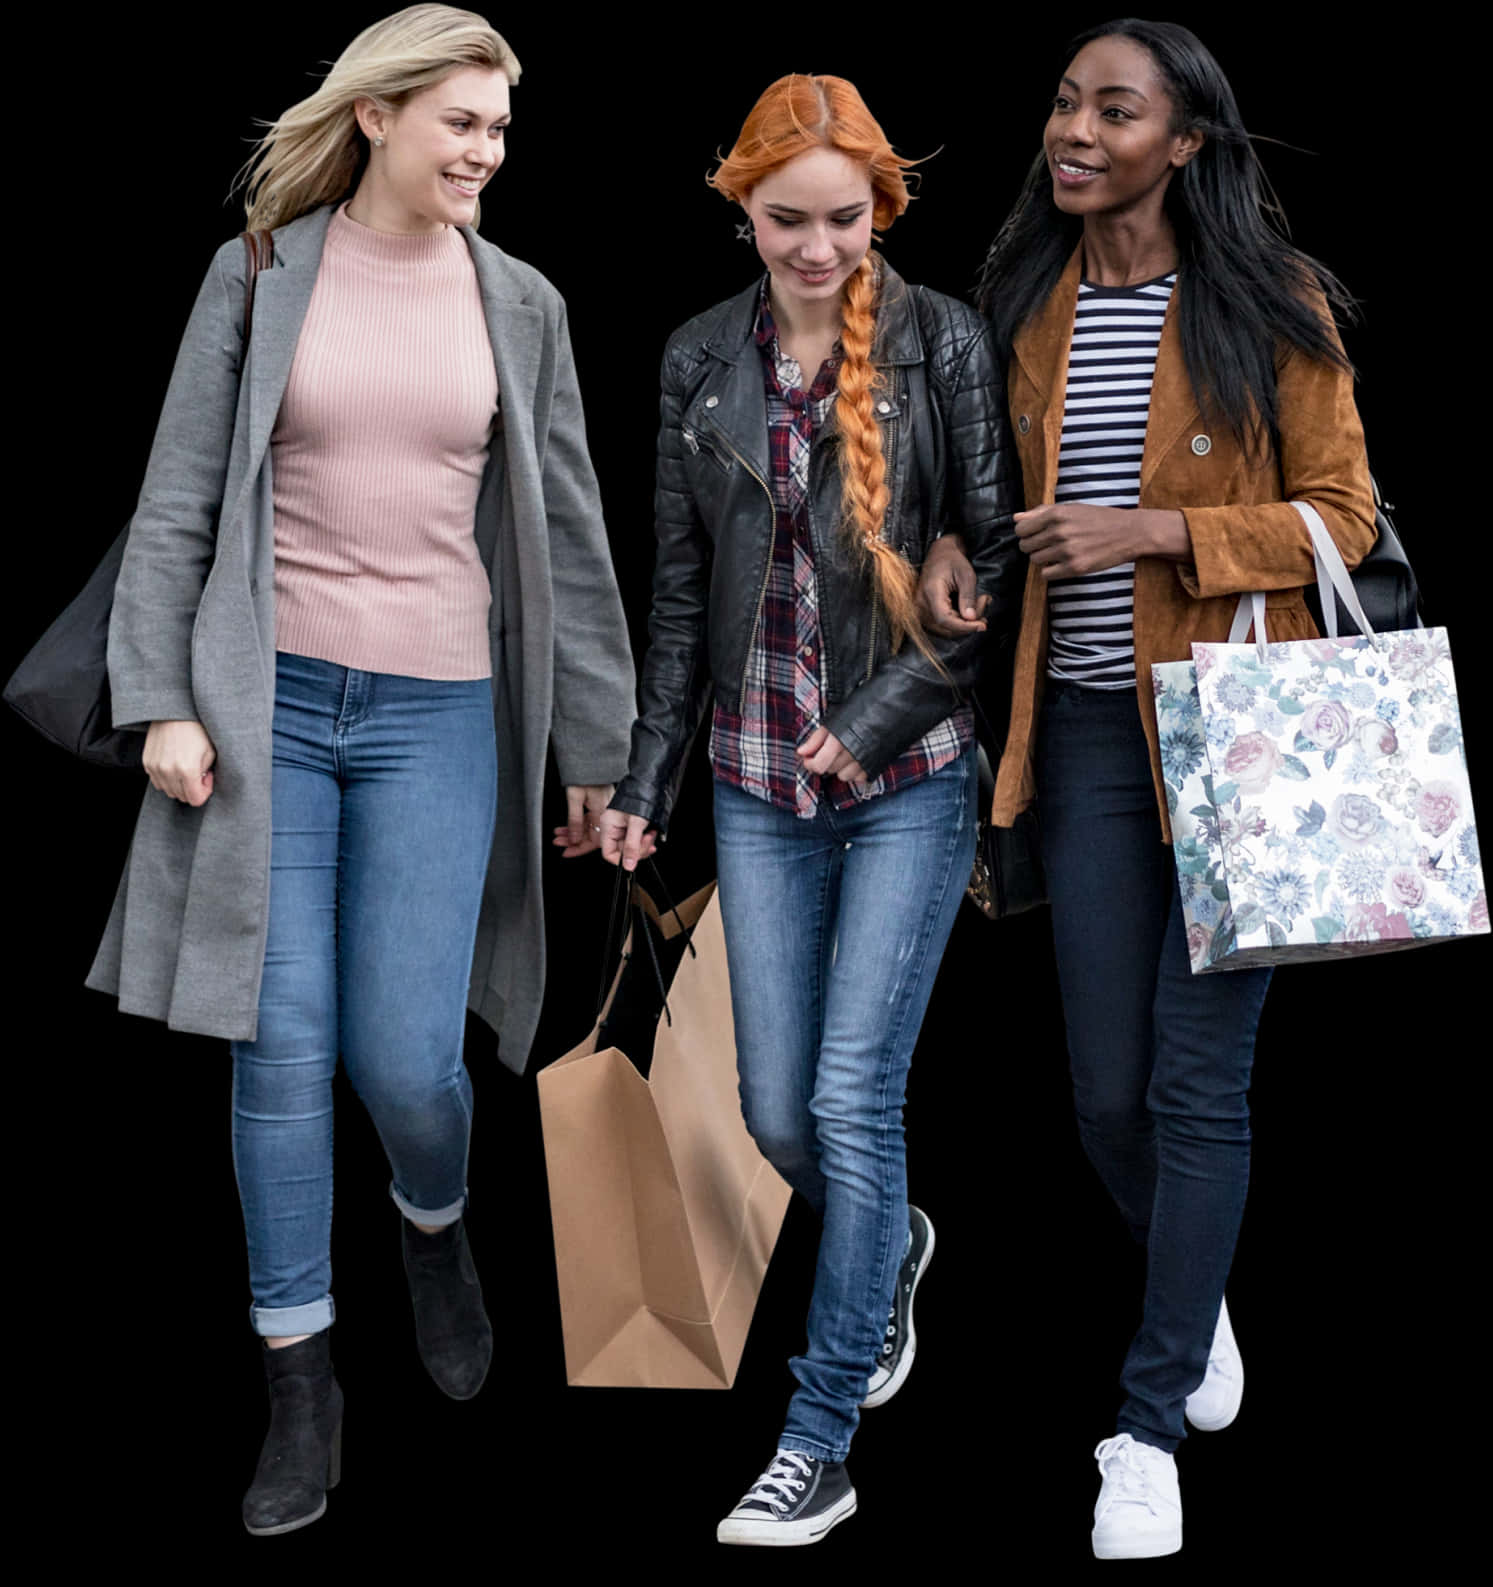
378, 143
746, 232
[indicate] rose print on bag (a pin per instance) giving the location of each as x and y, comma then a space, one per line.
1354, 818
1375, 736
1325, 725
1437, 807
1252, 761
1378, 849
1374, 923
1414, 657
1407, 890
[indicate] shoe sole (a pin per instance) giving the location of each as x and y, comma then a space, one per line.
288, 1526
461, 1399
1216, 1424
904, 1366
1213, 1426
1140, 1548
786, 1534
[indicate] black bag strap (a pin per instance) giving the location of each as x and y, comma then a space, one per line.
624, 904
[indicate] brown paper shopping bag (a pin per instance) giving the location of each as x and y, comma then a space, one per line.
665, 1214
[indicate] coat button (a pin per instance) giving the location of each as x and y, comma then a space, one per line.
883, 406
1023, 424
1202, 445
711, 402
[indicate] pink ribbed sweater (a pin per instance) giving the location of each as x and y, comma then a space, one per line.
378, 453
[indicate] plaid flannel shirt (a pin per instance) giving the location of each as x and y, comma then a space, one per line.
782, 694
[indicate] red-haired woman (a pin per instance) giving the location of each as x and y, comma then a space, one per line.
818, 429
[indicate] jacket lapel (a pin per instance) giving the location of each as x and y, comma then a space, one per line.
1041, 347
516, 330
1174, 408
281, 298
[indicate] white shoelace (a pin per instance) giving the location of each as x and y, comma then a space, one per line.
1123, 1473
779, 1476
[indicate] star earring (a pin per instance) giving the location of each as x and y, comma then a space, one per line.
746, 232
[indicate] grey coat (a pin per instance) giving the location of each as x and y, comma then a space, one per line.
192, 637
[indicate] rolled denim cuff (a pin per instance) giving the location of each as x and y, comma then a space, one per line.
437, 1219
280, 1322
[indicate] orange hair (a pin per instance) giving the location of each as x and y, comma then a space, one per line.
797, 114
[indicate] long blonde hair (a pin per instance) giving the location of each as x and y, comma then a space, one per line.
796, 114
315, 153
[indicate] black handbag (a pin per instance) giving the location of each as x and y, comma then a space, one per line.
1006, 877
62, 686
1384, 581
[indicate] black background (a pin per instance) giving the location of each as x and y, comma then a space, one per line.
143, 1404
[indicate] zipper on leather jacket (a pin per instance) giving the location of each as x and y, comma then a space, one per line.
772, 508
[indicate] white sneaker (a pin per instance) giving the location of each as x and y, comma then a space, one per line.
1214, 1403
1139, 1513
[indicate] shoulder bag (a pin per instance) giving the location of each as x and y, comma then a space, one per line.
62, 686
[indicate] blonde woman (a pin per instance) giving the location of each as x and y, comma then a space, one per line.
818, 429
366, 588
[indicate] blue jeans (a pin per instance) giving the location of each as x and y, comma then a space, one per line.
384, 791
834, 928
1160, 1057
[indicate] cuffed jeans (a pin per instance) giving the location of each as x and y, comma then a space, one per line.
1160, 1057
384, 791
834, 929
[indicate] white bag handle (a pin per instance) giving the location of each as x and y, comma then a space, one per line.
1332, 575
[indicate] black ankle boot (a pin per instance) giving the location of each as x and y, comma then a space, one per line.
451, 1328
302, 1454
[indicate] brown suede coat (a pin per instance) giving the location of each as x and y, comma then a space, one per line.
1245, 535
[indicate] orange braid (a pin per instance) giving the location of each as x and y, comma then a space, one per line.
862, 465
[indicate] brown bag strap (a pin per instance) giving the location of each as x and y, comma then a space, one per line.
259, 246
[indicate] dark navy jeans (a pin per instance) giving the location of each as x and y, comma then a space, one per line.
1160, 1057
384, 791
834, 929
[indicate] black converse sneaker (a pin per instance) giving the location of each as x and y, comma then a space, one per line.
796, 1500
900, 1344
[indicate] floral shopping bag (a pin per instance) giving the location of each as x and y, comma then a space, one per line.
1319, 798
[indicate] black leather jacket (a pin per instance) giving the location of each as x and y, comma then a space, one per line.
715, 518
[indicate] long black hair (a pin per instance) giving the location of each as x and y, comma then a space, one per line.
1243, 289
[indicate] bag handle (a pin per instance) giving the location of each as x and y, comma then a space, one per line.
625, 883
1332, 575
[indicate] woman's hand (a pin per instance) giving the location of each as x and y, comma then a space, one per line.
947, 602
822, 752
584, 808
626, 839
1073, 537
178, 757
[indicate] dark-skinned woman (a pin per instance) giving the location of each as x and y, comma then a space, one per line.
1175, 381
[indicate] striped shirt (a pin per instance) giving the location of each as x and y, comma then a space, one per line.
1116, 331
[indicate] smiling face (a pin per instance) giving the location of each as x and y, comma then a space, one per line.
440, 149
1110, 142
812, 218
